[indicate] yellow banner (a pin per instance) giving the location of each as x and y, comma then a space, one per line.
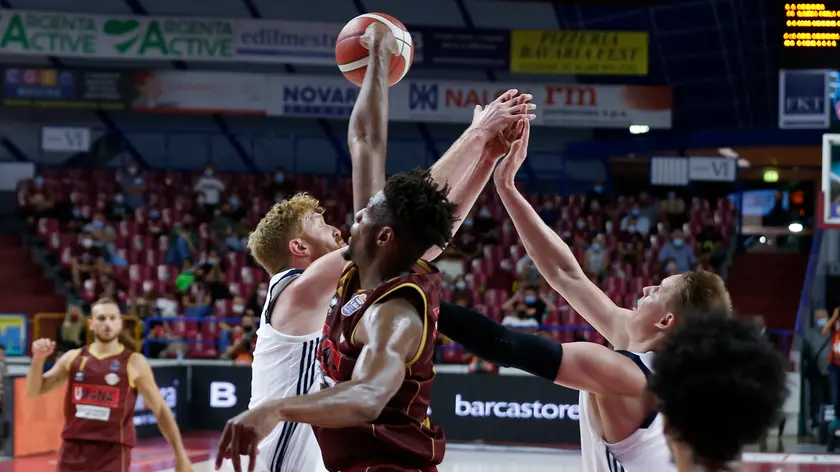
579, 52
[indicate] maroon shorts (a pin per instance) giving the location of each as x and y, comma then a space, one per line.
88, 456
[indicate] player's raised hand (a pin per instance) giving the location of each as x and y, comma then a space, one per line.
241, 437
42, 348
379, 33
506, 171
496, 120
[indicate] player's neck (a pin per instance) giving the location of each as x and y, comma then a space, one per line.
106, 348
371, 277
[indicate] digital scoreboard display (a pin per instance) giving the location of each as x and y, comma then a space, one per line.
810, 35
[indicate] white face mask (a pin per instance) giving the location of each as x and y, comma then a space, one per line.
87, 242
238, 309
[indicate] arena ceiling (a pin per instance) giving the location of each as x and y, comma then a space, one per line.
718, 55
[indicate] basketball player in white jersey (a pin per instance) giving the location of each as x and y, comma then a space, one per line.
720, 385
620, 427
303, 253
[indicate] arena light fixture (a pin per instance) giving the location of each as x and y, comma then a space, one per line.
795, 227
639, 129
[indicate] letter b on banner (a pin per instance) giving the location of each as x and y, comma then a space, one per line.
222, 395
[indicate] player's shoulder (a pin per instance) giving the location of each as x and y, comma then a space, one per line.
68, 357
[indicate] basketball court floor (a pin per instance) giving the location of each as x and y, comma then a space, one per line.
155, 456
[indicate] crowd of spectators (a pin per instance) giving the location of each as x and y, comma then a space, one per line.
192, 250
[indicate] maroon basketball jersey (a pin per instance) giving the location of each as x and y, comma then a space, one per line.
402, 436
99, 404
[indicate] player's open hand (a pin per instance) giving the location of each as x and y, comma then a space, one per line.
380, 34
506, 171
42, 348
497, 120
241, 437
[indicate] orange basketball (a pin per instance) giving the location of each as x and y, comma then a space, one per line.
352, 57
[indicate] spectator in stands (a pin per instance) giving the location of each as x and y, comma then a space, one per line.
711, 244
154, 224
143, 304
257, 299
279, 187
223, 229
133, 184
502, 277
238, 307
86, 260
596, 196
597, 258
211, 274
670, 268
196, 306
184, 242
674, 210
520, 319
832, 329
37, 201
103, 234
631, 244
536, 306
484, 221
71, 333
468, 246
815, 365
548, 213
526, 271
117, 209
209, 187
582, 230
234, 208
242, 341
461, 290
167, 305
639, 221
647, 207
679, 251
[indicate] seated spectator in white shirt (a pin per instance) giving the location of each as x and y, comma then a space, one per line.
642, 221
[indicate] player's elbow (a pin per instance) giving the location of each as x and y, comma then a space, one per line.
371, 402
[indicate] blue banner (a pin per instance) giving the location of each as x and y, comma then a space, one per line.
62, 88
14, 333
803, 99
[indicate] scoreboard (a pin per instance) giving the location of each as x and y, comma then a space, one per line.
811, 35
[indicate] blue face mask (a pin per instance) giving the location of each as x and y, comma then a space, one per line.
595, 247
212, 261
678, 242
77, 212
461, 285
118, 198
821, 322
98, 224
530, 299
39, 181
635, 211
279, 177
484, 213
154, 214
208, 172
598, 189
234, 202
631, 229
468, 223
580, 224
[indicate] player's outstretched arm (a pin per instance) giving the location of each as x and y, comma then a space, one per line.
583, 366
140, 374
37, 382
467, 165
390, 332
367, 135
553, 257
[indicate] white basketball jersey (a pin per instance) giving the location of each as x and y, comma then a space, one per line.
285, 366
646, 450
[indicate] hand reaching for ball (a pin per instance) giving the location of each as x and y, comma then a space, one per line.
502, 120
379, 34
42, 348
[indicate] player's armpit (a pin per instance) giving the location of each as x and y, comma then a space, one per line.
598, 369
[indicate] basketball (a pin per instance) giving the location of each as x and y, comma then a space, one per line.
352, 57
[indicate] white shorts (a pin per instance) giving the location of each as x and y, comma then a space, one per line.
291, 447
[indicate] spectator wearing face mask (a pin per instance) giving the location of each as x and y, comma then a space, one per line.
133, 185
184, 242
234, 209
631, 243
832, 329
536, 306
103, 233
36, 201
711, 243
257, 300
468, 244
143, 303
548, 213
209, 187
679, 251
639, 221
117, 209
71, 333
520, 319
76, 220
243, 338
237, 311
484, 221
86, 260
461, 290
213, 277
596, 195
670, 268
526, 271
673, 208
154, 224
816, 358
279, 186
597, 259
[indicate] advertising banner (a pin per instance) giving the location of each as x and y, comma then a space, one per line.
172, 382
33, 87
804, 99
65, 139
14, 333
712, 169
60, 34
505, 409
218, 394
831, 179
177, 91
579, 52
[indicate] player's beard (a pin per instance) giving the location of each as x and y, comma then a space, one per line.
105, 339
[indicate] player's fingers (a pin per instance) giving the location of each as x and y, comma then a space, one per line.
235, 459
252, 453
506, 96
223, 444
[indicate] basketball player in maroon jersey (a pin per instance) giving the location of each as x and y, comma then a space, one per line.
378, 344
105, 378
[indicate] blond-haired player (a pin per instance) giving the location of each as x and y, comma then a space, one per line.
619, 424
105, 379
303, 255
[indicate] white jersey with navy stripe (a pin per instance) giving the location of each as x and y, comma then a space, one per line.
285, 366
646, 450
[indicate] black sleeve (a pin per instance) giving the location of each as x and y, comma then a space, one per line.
491, 341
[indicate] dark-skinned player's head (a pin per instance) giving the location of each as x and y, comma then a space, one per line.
720, 386
401, 222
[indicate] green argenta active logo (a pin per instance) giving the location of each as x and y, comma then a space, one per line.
175, 38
